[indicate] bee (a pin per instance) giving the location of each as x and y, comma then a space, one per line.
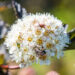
39, 52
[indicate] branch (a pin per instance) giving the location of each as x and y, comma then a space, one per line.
13, 5
19, 11
10, 67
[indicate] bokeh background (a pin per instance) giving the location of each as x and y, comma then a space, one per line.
63, 10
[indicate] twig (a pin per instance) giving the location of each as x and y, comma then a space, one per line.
13, 5
9, 66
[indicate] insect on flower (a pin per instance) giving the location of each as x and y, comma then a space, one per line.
47, 36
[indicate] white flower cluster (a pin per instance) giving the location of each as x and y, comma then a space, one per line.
36, 38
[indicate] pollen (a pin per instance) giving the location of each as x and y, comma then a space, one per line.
30, 39
51, 31
49, 45
46, 33
56, 41
18, 45
22, 61
20, 38
49, 27
56, 27
39, 41
25, 49
38, 32
32, 57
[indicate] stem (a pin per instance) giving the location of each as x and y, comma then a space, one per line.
13, 5
10, 66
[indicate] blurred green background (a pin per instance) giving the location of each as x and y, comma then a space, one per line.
63, 10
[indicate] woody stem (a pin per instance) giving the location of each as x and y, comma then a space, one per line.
9, 66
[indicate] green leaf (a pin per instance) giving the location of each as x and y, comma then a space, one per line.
72, 39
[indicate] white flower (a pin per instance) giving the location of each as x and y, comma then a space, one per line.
36, 38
